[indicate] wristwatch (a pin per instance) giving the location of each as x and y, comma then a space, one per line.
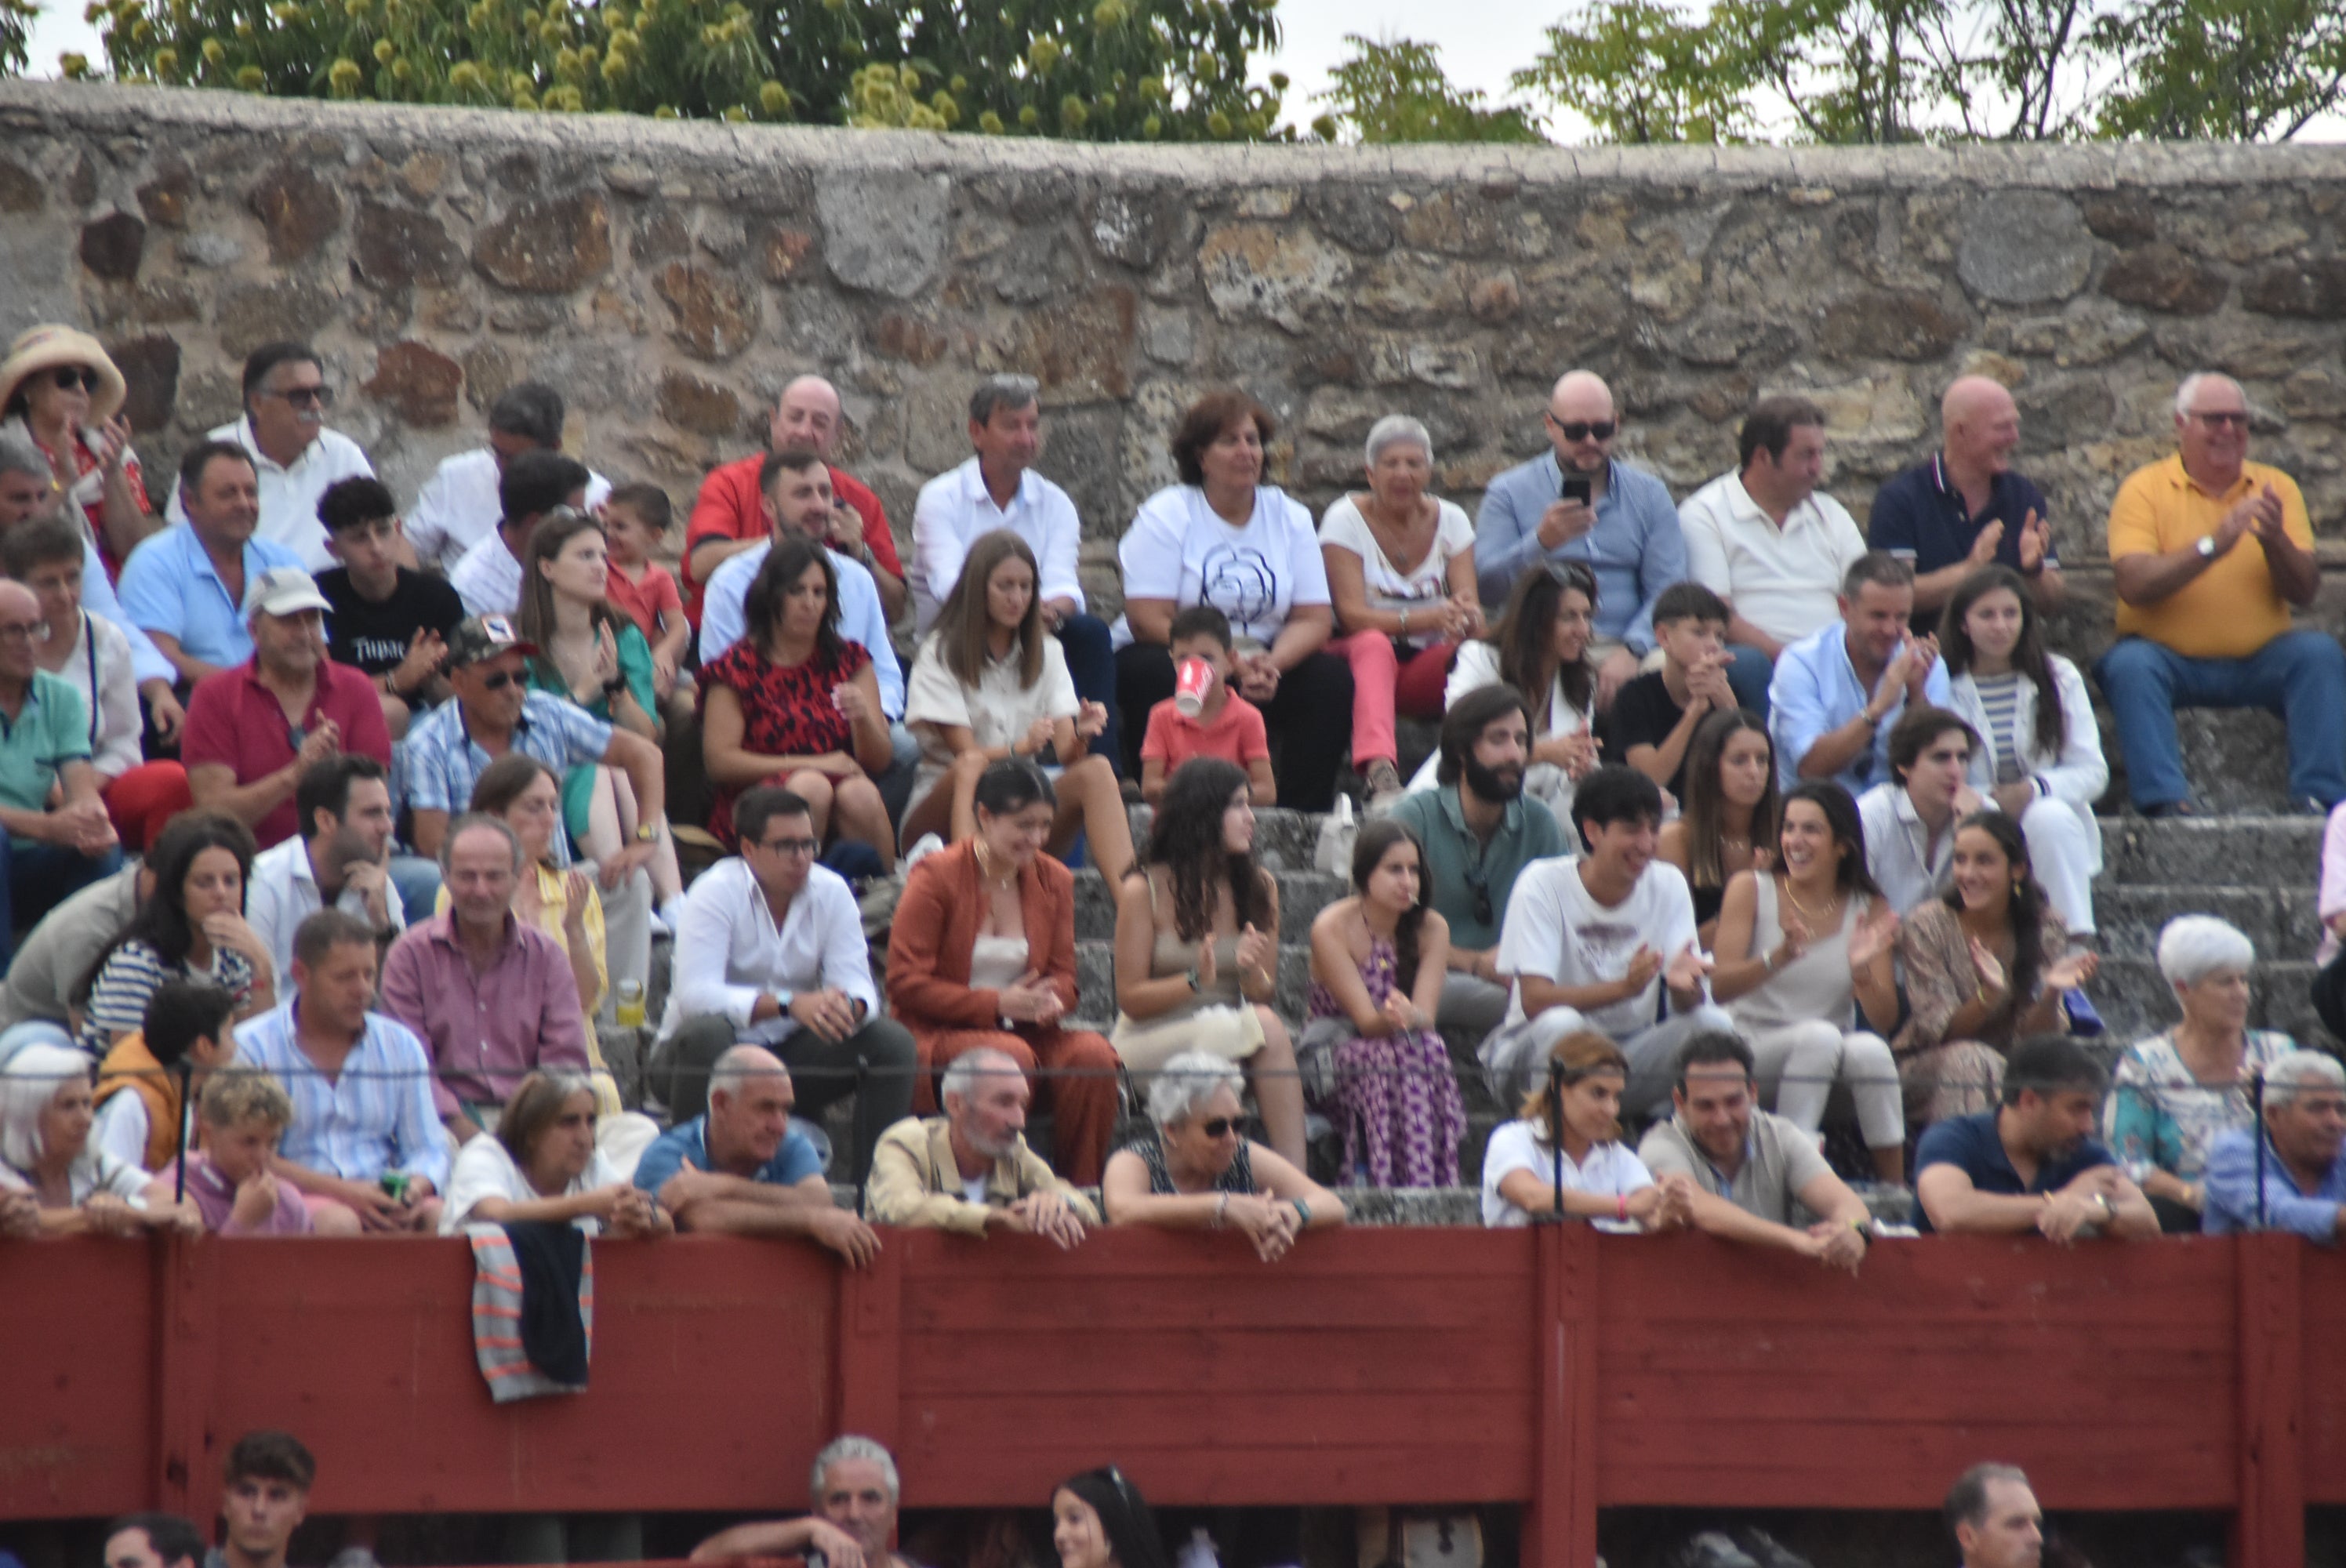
646, 832
2207, 546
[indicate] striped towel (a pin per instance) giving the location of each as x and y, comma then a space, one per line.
497, 1316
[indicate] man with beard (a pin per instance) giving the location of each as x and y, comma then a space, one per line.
341, 855
1839, 691
1577, 503
970, 1170
2032, 1163
1476, 832
1601, 944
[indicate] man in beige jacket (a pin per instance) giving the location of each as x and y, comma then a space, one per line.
970, 1169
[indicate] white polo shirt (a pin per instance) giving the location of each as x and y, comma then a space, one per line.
1786, 581
488, 578
289, 496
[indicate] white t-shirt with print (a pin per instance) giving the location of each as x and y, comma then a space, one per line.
1610, 1169
1555, 930
1178, 549
1389, 587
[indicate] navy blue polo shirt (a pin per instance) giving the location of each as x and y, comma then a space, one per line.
1971, 1143
1919, 517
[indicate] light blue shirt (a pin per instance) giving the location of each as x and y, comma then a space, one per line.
147, 660
1816, 691
861, 618
373, 1116
169, 585
2231, 1188
1634, 548
442, 761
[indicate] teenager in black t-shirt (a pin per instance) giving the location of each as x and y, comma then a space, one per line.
1654, 716
390, 621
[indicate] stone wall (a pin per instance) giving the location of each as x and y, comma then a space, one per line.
670, 277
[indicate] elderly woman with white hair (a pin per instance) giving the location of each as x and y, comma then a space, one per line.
2175, 1093
1195, 1169
77, 1187
1400, 573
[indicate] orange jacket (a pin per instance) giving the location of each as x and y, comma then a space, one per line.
130, 1066
936, 929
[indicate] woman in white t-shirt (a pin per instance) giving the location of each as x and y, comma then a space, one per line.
1224, 538
1596, 1176
1540, 647
1400, 573
541, 1163
989, 683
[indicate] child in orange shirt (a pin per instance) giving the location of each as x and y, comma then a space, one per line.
1228, 726
635, 519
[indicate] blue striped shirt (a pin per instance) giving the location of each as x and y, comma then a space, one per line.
374, 1115
2233, 1166
443, 762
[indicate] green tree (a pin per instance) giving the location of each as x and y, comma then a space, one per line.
1396, 90
2240, 70
1637, 71
1093, 69
16, 33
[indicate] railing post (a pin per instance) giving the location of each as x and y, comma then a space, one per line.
1560, 1524
186, 1314
2268, 1530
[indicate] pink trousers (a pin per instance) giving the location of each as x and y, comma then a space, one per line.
1383, 685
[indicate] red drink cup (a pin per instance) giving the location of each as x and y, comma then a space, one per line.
1191, 680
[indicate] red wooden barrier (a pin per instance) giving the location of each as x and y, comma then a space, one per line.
1559, 1368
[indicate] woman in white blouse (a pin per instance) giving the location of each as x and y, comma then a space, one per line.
988, 683
77, 1187
1594, 1177
1224, 538
542, 1164
1540, 647
1401, 572
2040, 751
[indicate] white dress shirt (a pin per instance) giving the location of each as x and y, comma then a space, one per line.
955, 509
283, 892
729, 952
1906, 866
1786, 581
861, 618
459, 506
488, 579
289, 496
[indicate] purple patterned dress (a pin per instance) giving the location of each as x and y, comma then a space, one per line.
1396, 1095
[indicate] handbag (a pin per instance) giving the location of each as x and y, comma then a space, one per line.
1332, 856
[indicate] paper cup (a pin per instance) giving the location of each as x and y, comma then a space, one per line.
1190, 682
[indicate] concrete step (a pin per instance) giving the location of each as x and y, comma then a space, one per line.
2224, 851
2280, 919
2236, 758
2134, 1000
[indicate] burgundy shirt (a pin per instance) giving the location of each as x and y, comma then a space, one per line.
485, 1030
234, 720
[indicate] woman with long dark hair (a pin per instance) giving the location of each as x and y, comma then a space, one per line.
1540, 647
1986, 966
1800, 941
1727, 823
1377, 964
1099, 1520
2040, 750
191, 926
1197, 946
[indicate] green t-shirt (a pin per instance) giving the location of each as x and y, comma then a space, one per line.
635, 669
51, 731
1468, 880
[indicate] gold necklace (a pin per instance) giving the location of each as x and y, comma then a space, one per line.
1832, 905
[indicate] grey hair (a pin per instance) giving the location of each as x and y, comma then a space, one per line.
853, 1447
19, 455
471, 820
1005, 390
2193, 947
1398, 430
2299, 1073
1186, 1081
739, 1065
971, 1065
28, 1083
2189, 388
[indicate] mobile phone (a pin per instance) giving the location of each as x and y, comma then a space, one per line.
1576, 489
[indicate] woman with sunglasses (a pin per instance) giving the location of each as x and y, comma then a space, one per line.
58, 387
1195, 1169
1400, 573
1540, 647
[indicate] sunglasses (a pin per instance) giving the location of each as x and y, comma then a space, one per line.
306, 397
1223, 1126
500, 680
1580, 429
71, 378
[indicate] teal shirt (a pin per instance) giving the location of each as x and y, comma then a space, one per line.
635, 669
1468, 880
52, 729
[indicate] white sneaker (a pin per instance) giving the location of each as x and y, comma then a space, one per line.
925, 846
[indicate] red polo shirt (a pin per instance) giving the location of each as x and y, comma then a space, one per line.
235, 721
729, 508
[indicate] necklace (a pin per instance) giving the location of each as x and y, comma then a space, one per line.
1832, 905
1738, 846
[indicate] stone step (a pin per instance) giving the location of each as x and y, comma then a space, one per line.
1303, 894
2280, 919
2221, 851
2134, 1000
2236, 758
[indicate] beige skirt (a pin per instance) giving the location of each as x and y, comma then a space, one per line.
1232, 1033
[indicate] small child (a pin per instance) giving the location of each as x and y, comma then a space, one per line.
1228, 726
243, 1114
1656, 713
635, 519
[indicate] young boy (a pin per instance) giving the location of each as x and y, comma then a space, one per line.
138, 1105
1228, 726
243, 1114
390, 622
635, 520
1655, 715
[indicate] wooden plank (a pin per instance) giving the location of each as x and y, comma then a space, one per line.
78, 1424
1237, 1471
2268, 1530
186, 1471
1116, 1361
871, 1335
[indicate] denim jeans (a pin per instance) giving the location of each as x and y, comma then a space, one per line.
35, 877
1091, 665
1748, 673
2300, 675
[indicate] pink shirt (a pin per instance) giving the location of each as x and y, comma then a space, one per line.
645, 603
484, 1029
1235, 734
215, 1199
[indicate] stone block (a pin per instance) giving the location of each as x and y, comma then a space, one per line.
2314, 290
1081, 350
209, 250
715, 313
781, 250
299, 207
2091, 331
150, 370
251, 314
547, 245
2210, 851
395, 247
2161, 278
884, 230
703, 406
113, 246
1276, 273
2024, 248
20, 191
1889, 325
417, 383
1130, 228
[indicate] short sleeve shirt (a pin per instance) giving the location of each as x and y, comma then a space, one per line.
2231, 609
372, 638
443, 762
1644, 714
1178, 549
1469, 880
51, 731
1389, 586
1779, 1160
1784, 579
1611, 1168
1972, 1144
235, 722
1237, 734
792, 1163
646, 602
170, 585
999, 709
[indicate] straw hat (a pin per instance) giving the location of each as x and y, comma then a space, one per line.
53, 347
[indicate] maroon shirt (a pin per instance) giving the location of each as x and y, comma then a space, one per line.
485, 1030
235, 721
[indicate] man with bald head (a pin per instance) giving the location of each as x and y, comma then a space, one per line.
742, 1168
54, 834
1965, 508
729, 516
2208, 553
1577, 502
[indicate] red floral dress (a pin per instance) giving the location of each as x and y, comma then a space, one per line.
786, 710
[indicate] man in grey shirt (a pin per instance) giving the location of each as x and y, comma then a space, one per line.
1618, 519
1750, 1166
56, 954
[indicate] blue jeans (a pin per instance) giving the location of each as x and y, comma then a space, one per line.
1749, 672
35, 877
1091, 665
416, 879
2300, 675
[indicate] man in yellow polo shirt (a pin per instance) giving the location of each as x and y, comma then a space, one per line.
2209, 551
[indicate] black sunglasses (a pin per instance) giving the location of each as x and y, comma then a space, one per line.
1580, 429
306, 397
500, 680
1223, 1126
70, 377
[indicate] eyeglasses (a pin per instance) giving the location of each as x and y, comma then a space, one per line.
790, 846
72, 378
2221, 416
500, 680
1580, 430
1223, 1126
306, 397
